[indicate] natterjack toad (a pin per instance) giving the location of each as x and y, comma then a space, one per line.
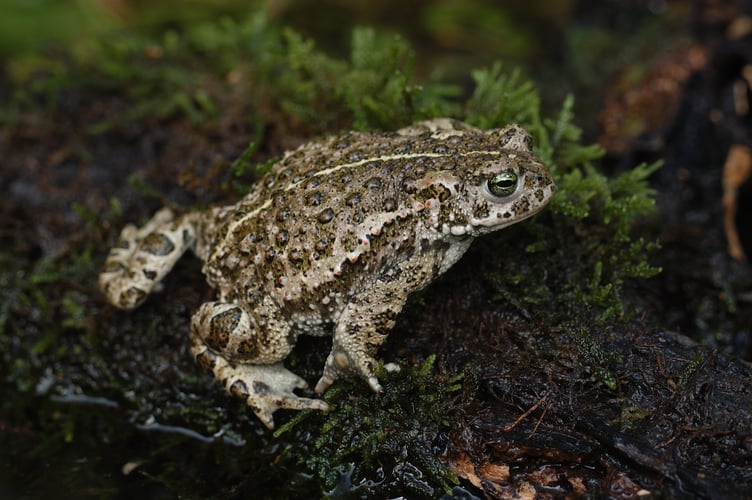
331, 242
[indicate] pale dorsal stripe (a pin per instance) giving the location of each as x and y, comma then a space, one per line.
331, 170
408, 156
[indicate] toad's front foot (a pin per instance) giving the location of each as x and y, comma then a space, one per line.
341, 362
265, 388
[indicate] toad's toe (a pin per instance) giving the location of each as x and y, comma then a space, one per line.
266, 389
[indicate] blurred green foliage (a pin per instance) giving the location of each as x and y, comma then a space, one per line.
26, 26
188, 73
32, 25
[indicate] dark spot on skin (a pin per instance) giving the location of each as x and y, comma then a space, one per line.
353, 200
206, 359
522, 206
123, 244
283, 215
247, 349
157, 244
269, 254
321, 245
326, 215
260, 387
481, 211
149, 274
282, 238
113, 267
437, 191
239, 389
221, 326
409, 186
132, 295
358, 217
314, 199
373, 183
390, 204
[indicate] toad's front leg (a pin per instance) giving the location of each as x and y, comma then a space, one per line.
372, 312
226, 339
360, 331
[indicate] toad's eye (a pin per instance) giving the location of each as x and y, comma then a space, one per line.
502, 184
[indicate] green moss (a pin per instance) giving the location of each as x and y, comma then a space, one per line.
691, 369
632, 416
585, 256
393, 433
593, 353
581, 267
39, 303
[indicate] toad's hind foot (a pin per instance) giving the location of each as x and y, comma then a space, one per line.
265, 388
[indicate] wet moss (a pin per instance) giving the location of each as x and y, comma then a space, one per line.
389, 443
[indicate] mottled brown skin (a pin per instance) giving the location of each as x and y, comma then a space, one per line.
332, 241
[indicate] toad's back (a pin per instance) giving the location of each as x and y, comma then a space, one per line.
334, 214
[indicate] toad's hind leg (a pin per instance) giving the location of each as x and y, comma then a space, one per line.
226, 339
142, 257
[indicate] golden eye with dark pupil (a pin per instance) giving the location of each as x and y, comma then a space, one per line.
502, 184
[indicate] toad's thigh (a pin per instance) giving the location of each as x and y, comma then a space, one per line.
239, 335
